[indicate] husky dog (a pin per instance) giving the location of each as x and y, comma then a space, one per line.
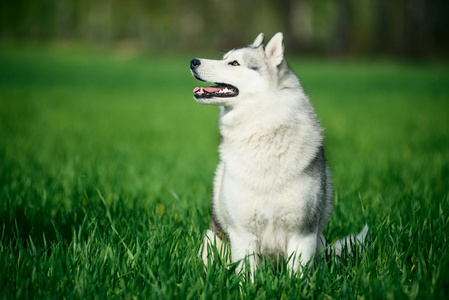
272, 189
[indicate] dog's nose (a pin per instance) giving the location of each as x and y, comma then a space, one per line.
194, 63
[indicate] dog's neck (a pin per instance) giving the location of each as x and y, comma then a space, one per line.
262, 121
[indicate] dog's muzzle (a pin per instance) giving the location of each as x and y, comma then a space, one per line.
219, 90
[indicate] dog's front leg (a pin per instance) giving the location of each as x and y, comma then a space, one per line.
301, 249
210, 240
244, 245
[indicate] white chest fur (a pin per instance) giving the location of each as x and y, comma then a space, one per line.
262, 187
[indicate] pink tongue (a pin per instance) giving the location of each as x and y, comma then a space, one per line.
212, 89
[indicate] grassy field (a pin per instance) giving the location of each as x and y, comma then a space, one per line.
106, 167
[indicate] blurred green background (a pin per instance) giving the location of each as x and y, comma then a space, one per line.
411, 28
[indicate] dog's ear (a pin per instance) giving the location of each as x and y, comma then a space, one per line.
275, 49
258, 41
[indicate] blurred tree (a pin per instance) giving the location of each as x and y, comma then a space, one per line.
342, 37
414, 27
383, 26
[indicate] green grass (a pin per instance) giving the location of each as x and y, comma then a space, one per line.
106, 167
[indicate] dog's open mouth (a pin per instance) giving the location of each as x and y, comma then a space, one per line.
219, 90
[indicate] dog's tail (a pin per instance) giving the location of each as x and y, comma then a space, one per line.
349, 244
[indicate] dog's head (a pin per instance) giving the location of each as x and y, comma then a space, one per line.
243, 72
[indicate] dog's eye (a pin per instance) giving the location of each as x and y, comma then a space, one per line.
234, 63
